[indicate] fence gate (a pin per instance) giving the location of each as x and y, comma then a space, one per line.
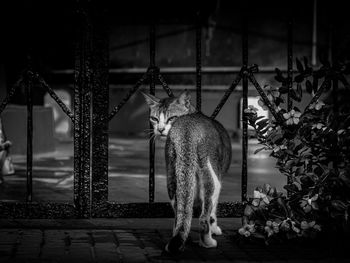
100, 205
91, 116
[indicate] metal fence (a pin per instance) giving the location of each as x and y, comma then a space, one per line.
91, 115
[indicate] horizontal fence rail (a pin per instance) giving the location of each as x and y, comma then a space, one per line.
91, 116
179, 70
28, 208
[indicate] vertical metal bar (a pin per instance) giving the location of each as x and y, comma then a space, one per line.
290, 63
244, 182
330, 44
152, 89
100, 112
28, 89
335, 94
199, 63
335, 122
335, 99
290, 74
314, 35
82, 108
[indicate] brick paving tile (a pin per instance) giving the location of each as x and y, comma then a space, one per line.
152, 245
129, 247
7, 241
54, 246
28, 244
105, 247
91, 242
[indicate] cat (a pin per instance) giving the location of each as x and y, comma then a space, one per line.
197, 154
5, 167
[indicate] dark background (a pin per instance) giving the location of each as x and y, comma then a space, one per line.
45, 30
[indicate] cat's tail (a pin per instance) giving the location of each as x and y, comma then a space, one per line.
185, 168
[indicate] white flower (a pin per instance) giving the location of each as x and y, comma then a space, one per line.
262, 104
251, 109
292, 117
288, 224
340, 131
317, 105
260, 195
247, 229
278, 148
317, 126
271, 227
278, 109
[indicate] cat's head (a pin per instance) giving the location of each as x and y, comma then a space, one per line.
163, 112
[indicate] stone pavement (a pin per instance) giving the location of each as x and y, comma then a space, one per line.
143, 240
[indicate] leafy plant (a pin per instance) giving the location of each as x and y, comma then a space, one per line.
312, 149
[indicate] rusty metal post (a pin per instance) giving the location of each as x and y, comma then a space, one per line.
100, 113
335, 93
199, 62
152, 89
82, 107
29, 95
244, 106
290, 74
290, 63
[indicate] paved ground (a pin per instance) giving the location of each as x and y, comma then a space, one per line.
143, 240
128, 173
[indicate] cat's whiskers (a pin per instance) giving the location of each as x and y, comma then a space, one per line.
148, 131
153, 138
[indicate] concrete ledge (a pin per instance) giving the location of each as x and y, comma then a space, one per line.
118, 223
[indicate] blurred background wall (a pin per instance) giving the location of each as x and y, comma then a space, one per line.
41, 34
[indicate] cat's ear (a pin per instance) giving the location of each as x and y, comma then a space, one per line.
185, 98
150, 99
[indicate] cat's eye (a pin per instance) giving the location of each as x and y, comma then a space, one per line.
153, 119
172, 118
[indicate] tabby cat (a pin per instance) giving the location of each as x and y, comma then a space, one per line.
197, 154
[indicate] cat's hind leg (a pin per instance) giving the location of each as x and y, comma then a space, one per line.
171, 177
215, 229
207, 190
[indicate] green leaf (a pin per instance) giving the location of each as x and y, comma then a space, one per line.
279, 77
339, 205
291, 187
258, 235
298, 147
299, 65
259, 118
318, 171
296, 109
315, 85
262, 124
259, 150
295, 96
299, 91
276, 138
278, 101
299, 78
283, 90
308, 86
306, 63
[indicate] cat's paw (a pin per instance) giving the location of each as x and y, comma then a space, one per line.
176, 245
208, 242
216, 230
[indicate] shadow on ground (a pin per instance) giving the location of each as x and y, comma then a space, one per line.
143, 240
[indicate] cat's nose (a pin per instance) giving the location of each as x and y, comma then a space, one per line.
161, 129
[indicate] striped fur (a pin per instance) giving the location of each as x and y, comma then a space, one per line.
197, 154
